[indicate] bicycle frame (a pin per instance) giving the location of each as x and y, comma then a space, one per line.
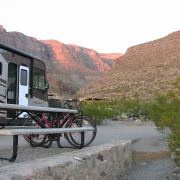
46, 122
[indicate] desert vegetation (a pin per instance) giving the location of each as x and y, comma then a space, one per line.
113, 109
163, 110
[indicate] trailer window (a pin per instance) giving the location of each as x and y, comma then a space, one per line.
23, 77
0, 68
39, 79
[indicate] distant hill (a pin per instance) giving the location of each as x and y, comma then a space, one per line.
70, 67
144, 70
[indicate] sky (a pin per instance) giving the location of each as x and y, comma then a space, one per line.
104, 25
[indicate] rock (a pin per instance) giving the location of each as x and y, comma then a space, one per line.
78, 159
118, 117
115, 119
143, 163
105, 122
131, 118
124, 116
141, 117
138, 121
176, 170
178, 175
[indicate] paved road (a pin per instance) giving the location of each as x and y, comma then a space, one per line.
111, 131
106, 133
132, 131
150, 140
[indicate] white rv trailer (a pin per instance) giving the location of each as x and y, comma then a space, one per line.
22, 79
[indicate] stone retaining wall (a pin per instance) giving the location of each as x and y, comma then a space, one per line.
104, 162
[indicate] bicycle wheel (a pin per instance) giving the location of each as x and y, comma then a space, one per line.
75, 138
48, 142
34, 139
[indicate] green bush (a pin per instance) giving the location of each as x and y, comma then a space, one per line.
101, 110
165, 112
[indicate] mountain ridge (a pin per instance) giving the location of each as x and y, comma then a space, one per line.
69, 67
143, 71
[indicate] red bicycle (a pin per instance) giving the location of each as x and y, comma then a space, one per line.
60, 120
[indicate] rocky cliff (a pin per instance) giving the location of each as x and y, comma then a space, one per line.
27, 44
79, 58
70, 67
144, 70
2, 29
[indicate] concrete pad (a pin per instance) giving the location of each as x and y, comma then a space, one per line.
105, 161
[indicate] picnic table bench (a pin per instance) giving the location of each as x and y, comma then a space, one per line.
15, 131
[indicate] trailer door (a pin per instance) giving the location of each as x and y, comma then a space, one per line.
23, 85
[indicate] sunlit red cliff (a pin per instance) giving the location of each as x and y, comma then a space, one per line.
69, 67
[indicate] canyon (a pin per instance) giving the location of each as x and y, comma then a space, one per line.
69, 67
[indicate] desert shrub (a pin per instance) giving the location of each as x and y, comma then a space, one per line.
101, 110
165, 112
132, 107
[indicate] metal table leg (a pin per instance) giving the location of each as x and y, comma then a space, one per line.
15, 150
82, 139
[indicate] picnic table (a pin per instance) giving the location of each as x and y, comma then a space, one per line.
32, 112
